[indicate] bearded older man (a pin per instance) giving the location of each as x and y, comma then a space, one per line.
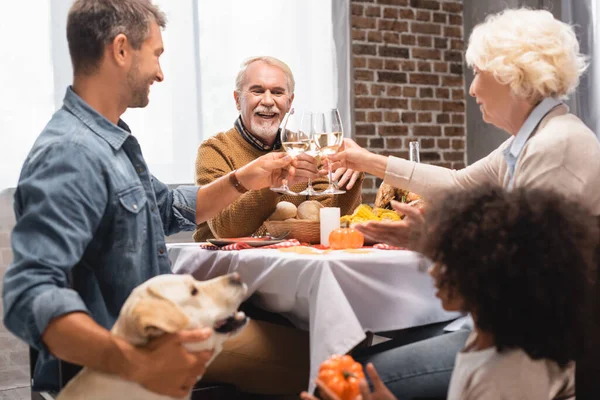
264, 93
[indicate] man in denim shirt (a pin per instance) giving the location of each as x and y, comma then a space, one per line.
92, 217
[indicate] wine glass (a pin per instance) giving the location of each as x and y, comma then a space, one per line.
413, 154
329, 136
295, 140
313, 152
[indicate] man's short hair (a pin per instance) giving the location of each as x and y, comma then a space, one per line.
239, 81
92, 24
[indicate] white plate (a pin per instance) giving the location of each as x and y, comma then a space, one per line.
249, 242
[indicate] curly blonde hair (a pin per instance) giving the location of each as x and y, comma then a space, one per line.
530, 50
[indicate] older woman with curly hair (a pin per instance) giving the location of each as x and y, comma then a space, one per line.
523, 276
525, 62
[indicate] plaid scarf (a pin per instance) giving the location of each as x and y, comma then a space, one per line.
255, 142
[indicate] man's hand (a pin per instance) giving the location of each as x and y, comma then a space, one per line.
303, 167
404, 233
380, 391
164, 366
266, 171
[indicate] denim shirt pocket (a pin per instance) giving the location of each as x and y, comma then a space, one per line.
131, 219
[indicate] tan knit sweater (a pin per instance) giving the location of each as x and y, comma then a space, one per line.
562, 155
227, 151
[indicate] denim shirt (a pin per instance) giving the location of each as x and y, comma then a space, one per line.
91, 217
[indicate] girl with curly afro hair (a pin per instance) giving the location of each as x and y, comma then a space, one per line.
521, 262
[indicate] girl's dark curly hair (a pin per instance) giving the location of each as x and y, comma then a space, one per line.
522, 261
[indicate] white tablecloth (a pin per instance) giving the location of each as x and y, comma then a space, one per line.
336, 296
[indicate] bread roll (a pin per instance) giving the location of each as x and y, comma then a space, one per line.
310, 210
284, 210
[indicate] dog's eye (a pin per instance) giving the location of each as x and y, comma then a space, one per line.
194, 291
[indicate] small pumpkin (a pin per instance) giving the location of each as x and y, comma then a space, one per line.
346, 238
342, 375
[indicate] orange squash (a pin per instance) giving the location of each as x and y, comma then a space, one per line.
346, 238
342, 375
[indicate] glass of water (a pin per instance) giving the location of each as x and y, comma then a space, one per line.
413, 152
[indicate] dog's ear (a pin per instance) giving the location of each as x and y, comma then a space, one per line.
152, 316
176, 291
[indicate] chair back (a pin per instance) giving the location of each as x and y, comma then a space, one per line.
587, 370
66, 371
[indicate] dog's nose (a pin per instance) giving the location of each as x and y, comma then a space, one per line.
235, 279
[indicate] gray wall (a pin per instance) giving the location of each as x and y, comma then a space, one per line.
14, 362
482, 138
584, 103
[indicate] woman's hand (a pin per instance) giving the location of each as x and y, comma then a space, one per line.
351, 156
380, 391
346, 176
403, 233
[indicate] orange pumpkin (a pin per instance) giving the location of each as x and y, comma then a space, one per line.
342, 375
346, 238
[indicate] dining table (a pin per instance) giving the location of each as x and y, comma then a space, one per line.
337, 296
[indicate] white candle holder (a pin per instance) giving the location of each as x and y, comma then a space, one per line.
330, 220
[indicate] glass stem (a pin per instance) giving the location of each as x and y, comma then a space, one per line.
329, 175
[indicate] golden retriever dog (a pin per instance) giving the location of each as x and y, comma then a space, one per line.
166, 303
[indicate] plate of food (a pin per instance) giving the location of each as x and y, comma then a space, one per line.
250, 241
387, 193
382, 210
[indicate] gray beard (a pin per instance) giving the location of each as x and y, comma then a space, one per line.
264, 131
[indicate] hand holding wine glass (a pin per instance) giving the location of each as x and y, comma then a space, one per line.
328, 136
311, 151
295, 140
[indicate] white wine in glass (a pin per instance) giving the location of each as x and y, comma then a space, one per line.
295, 140
328, 137
329, 143
297, 147
311, 151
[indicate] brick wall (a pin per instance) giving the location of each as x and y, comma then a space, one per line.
408, 80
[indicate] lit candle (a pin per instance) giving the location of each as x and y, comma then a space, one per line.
330, 220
